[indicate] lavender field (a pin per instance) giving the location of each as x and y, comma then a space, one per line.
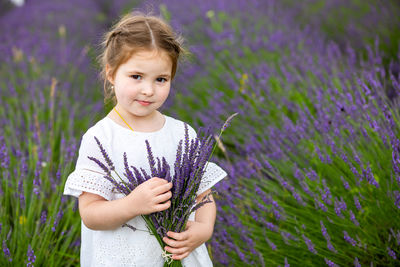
313, 157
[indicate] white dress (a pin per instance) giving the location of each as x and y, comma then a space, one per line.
123, 246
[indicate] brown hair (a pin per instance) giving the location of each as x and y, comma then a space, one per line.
135, 32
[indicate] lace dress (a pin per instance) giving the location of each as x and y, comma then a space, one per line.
123, 246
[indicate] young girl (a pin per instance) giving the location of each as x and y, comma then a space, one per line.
139, 61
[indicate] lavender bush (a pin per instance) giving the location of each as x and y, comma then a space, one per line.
318, 128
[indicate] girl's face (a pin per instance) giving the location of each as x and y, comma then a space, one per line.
142, 83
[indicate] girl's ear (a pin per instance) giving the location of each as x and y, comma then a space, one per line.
109, 78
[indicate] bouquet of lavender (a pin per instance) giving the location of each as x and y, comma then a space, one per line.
191, 162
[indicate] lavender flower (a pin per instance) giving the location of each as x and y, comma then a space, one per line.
105, 155
392, 253
357, 203
345, 183
101, 165
31, 256
128, 173
228, 121
286, 263
6, 251
150, 157
324, 232
353, 218
330, 263
349, 239
309, 244
397, 199
272, 226
270, 243
129, 226
338, 208
319, 204
326, 196
327, 237
57, 220
4, 156
356, 262
43, 217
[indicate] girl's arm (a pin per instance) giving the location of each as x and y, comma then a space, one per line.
99, 214
206, 214
197, 232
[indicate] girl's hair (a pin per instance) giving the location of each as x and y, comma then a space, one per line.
136, 32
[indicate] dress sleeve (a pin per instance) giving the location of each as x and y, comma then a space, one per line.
213, 173
88, 176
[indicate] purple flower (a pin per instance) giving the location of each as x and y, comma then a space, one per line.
397, 199
105, 155
6, 251
270, 243
309, 244
326, 196
101, 165
319, 204
357, 203
43, 217
227, 122
356, 262
330, 263
353, 218
150, 157
57, 220
272, 226
31, 256
338, 208
391, 253
312, 175
349, 239
324, 232
129, 174
345, 183
286, 263
327, 237
4, 157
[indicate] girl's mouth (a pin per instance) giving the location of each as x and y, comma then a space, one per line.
143, 103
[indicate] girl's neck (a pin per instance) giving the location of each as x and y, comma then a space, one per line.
151, 123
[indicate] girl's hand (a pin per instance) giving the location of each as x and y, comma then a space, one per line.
150, 196
181, 244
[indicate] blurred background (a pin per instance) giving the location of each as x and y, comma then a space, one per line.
313, 157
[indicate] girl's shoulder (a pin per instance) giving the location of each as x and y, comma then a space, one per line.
177, 125
101, 130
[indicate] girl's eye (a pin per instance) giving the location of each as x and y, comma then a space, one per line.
136, 77
161, 80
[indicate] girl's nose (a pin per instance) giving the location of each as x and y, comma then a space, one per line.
147, 89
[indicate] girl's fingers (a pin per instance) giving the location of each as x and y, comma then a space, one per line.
176, 251
163, 206
174, 243
163, 197
160, 189
155, 181
180, 257
178, 236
